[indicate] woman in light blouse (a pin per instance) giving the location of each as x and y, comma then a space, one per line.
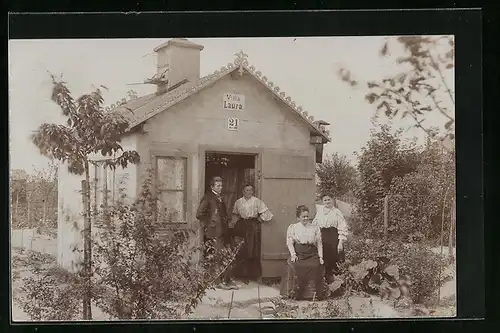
303, 240
248, 213
333, 233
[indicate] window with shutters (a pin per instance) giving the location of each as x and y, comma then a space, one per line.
172, 188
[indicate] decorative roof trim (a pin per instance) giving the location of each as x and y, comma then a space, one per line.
240, 64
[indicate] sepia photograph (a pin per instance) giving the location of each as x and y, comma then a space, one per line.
232, 178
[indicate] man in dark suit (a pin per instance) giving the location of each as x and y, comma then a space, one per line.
212, 213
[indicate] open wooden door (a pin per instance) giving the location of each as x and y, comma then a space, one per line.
287, 179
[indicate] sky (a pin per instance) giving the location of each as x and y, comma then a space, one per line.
304, 67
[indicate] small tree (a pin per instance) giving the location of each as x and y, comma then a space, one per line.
89, 130
336, 175
419, 87
382, 159
419, 199
150, 274
140, 272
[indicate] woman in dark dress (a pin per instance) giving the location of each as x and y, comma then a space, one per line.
249, 212
303, 269
333, 233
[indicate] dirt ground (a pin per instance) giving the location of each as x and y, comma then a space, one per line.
217, 304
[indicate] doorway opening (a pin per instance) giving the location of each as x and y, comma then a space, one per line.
237, 170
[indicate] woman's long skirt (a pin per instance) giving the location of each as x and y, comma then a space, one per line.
248, 261
330, 239
303, 279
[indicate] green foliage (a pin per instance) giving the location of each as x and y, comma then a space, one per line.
140, 271
152, 274
385, 267
336, 175
417, 199
369, 276
89, 129
42, 294
419, 86
383, 158
416, 180
48, 299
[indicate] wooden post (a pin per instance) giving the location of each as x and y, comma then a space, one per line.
29, 213
95, 191
113, 188
44, 215
105, 188
86, 254
45, 198
230, 305
386, 216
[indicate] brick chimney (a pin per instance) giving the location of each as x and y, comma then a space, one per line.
177, 60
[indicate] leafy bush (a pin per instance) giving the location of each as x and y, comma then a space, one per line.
376, 265
152, 275
416, 178
47, 299
373, 277
137, 272
45, 294
418, 198
383, 158
336, 175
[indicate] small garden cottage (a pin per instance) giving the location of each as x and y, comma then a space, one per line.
234, 123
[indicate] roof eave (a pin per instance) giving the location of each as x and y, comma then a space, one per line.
286, 100
185, 94
219, 74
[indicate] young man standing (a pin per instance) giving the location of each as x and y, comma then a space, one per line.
212, 213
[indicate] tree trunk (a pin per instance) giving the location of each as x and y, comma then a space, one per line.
44, 217
87, 246
386, 216
105, 188
95, 192
113, 189
29, 213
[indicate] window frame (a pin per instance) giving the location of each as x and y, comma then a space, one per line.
162, 153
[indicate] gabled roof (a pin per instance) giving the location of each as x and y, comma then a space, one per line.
143, 108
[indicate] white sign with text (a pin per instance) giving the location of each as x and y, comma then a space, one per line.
233, 123
233, 102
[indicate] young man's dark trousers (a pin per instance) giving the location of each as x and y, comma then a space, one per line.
218, 243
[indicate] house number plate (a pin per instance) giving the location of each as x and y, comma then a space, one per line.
233, 123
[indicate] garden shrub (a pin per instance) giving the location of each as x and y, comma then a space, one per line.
138, 273
413, 262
